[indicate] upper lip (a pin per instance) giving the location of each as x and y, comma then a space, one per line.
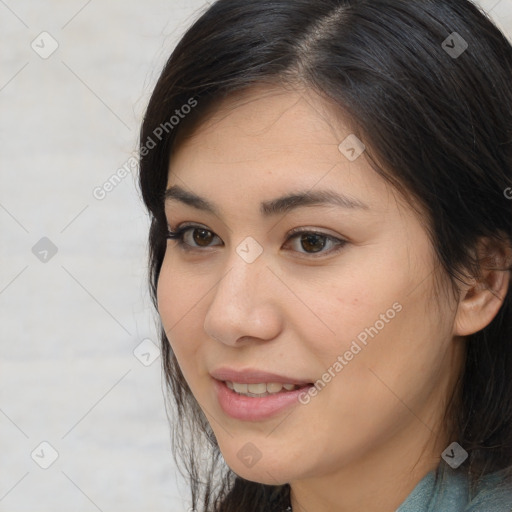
254, 376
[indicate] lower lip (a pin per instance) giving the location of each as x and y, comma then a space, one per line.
247, 408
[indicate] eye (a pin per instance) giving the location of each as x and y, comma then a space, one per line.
314, 242
305, 240
191, 237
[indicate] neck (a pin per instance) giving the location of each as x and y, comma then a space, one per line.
380, 482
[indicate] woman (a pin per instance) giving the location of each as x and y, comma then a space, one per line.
330, 255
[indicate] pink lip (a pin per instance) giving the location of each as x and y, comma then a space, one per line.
253, 376
248, 408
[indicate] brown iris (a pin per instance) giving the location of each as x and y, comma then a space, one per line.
203, 238
312, 241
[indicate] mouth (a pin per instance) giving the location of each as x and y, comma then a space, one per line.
255, 376
253, 395
263, 389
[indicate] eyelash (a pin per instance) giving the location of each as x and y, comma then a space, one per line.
179, 234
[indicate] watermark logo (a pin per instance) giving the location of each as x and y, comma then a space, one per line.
454, 45
131, 165
352, 148
146, 352
344, 359
111, 183
454, 455
168, 126
44, 45
44, 455
249, 454
249, 250
44, 250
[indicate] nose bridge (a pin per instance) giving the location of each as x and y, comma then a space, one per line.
241, 305
240, 285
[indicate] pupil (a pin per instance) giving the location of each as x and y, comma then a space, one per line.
310, 240
204, 236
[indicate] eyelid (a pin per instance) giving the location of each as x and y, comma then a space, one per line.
179, 232
294, 231
339, 242
313, 230
181, 229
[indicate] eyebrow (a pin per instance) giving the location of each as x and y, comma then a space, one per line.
277, 206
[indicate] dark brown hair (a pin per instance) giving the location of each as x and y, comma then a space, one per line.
436, 118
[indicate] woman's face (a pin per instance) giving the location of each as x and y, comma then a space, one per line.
348, 305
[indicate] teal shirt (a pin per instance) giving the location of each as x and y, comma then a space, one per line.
452, 493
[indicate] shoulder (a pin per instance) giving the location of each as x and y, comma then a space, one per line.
449, 490
492, 494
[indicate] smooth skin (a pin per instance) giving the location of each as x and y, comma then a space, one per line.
366, 439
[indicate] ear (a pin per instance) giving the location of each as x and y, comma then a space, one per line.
482, 296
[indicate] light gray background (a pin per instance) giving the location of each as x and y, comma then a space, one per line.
69, 325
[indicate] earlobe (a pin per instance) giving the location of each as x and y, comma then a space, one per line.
481, 298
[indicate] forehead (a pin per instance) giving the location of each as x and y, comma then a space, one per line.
272, 114
271, 141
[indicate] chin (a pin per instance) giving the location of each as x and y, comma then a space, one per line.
261, 475
271, 471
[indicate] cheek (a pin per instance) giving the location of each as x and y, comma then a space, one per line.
376, 321
349, 307
385, 355
178, 292
179, 306
166, 293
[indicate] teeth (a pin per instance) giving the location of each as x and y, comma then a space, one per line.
257, 389
275, 387
261, 389
240, 388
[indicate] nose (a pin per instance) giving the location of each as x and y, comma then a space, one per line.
244, 306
